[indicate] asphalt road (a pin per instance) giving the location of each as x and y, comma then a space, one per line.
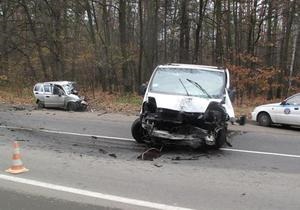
89, 161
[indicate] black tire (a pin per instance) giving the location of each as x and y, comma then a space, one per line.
137, 131
40, 104
72, 106
264, 119
83, 107
221, 138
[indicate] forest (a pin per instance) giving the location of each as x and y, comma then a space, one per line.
114, 45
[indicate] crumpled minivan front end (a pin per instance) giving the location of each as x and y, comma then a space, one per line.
186, 104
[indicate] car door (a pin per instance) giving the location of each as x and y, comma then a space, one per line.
57, 99
279, 113
293, 109
38, 91
48, 95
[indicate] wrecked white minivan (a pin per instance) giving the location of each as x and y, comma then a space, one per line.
185, 104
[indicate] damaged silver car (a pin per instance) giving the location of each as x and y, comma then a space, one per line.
59, 94
186, 104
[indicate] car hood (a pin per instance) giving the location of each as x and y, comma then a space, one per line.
269, 105
181, 103
74, 97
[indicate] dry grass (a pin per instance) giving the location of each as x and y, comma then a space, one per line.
116, 102
247, 106
16, 97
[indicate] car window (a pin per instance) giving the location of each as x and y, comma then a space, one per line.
193, 82
294, 100
37, 88
58, 90
68, 88
47, 88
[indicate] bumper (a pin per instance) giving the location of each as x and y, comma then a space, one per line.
81, 105
178, 137
199, 138
254, 116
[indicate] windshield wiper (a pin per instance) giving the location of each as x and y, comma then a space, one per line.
187, 93
200, 87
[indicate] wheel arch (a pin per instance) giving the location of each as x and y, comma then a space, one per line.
263, 112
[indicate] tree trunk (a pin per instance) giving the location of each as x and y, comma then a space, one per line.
141, 42
219, 41
184, 33
202, 9
124, 45
36, 39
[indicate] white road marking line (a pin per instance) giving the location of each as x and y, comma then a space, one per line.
261, 153
86, 135
128, 139
68, 133
77, 191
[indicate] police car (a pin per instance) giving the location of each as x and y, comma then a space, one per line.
286, 113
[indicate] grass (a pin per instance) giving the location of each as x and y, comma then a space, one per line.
17, 97
115, 102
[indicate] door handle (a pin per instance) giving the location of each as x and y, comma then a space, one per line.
296, 108
47, 96
36, 92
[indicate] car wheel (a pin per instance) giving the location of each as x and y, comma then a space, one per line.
137, 131
40, 104
220, 139
83, 107
72, 106
264, 119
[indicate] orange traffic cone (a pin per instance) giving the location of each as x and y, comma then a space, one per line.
17, 165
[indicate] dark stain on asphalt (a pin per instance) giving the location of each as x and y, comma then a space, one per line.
112, 155
102, 151
19, 108
187, 158
232, 133
22, 140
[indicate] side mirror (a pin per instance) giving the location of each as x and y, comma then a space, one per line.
283, 103
143, 89
232, 94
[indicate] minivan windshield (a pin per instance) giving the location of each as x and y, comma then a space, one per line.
193, 82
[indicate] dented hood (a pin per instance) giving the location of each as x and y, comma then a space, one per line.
181, 102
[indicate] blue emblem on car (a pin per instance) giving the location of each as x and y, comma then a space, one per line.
287, 111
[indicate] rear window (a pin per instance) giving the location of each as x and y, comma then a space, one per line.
37, 88
47, 88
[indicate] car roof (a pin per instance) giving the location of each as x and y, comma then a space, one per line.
58, 82
296, 94
192, 66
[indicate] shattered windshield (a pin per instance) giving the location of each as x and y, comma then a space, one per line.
178, 81
69, 87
